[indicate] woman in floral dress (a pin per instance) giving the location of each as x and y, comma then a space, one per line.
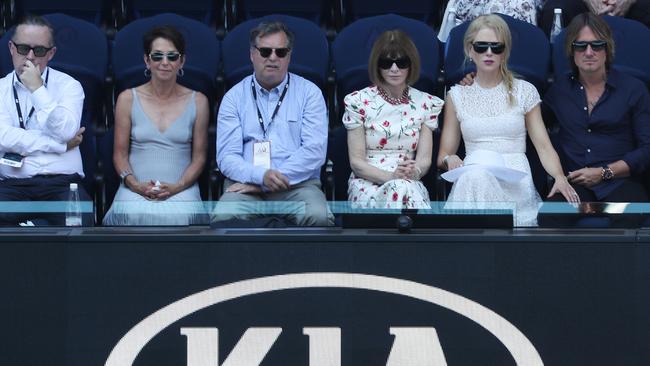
387, 124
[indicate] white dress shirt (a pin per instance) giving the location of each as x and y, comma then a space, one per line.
56, 119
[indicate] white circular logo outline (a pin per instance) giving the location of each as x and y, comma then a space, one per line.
128, 348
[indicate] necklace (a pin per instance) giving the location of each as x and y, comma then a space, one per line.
404, 99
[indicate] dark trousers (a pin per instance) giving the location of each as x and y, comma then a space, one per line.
630, 191
41, 188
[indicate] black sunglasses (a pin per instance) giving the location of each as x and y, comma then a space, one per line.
158, 56
23, 49
581, 46
266, 51
482, 47
401, 62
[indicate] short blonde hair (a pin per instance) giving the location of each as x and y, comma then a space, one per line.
394, 43
500, 28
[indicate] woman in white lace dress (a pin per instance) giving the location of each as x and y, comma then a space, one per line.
494, 113
387, 124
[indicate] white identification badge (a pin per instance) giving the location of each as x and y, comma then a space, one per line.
262, 154
12, 159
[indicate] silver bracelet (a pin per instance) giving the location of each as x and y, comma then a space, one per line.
418, 171
444, 160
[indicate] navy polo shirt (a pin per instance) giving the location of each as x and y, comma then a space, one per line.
617, 129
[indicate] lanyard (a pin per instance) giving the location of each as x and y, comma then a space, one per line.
277, 107
18, 110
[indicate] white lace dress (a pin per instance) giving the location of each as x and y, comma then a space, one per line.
392, 134
489, 122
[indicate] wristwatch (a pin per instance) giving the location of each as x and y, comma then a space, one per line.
123, 175
607, 173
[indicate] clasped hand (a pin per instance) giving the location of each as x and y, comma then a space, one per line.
156, 192
406, 169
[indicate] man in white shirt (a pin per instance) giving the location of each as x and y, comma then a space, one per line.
40, 117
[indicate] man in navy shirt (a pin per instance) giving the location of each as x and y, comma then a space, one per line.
603, 117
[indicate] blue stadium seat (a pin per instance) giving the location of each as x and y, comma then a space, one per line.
631, 38
202, 48
97, 12
82, 52
425, 11
529, 58
209, 12
309, 57
316, 11
351, 50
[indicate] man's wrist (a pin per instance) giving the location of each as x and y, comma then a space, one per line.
606, 173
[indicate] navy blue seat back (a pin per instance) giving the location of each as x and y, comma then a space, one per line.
352, 47
529, 57
424, 11
204, 11
309, 57
202, 53
82, 52
97, 12
316, 11
631, 53
337, 152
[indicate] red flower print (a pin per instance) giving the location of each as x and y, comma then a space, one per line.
362, 189
424, 106
362, 112
365, 102
395, 196
383, 141
430, 97
433, 117
415, 144
413, 134
405, 199
382, 160
386, 124
372, 127
363, 119
354, 198
405, 113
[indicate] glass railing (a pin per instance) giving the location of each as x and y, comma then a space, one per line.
339, 214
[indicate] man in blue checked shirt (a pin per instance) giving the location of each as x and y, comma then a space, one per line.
272, 137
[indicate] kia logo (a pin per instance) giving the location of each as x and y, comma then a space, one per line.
412, 345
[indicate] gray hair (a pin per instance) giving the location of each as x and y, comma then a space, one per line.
266, 28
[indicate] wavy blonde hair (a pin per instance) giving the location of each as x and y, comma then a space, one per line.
500, 28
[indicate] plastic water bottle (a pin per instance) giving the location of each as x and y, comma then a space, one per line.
73, 211
557, 24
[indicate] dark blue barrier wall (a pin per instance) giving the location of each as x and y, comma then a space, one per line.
580, 298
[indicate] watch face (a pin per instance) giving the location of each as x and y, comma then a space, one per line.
607, 173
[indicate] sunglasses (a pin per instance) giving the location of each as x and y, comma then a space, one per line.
581, 46
266, 51
23, 49
170, 56
401, 62
482, 47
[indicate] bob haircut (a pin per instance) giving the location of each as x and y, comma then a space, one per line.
601, 31
394, 44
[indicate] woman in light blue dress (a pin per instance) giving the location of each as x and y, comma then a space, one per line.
160, 141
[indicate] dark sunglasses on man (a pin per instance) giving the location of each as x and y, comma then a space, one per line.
266, 51
23, 49
581, 46
482, 47
158, 56
401, 62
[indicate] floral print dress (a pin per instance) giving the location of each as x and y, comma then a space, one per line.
392, 134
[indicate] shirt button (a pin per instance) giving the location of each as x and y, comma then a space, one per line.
589, 130
582, 87
588, 150
585, 108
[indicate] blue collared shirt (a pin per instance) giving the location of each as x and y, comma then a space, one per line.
298, 134
617, 129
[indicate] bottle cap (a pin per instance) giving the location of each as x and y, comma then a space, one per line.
74, 186
557, 11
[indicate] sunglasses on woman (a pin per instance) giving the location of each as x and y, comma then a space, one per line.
581, 46
482, 47
23, 49
401, 62
170, 56
266, 51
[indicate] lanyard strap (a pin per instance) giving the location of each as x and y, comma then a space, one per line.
277, 107
18, 110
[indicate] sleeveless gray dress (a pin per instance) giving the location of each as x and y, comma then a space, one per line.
162, 156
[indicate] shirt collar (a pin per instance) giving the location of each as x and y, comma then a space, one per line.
612, 78
276, 89
17, 82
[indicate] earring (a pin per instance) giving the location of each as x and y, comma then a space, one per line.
180, 72
147, 72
